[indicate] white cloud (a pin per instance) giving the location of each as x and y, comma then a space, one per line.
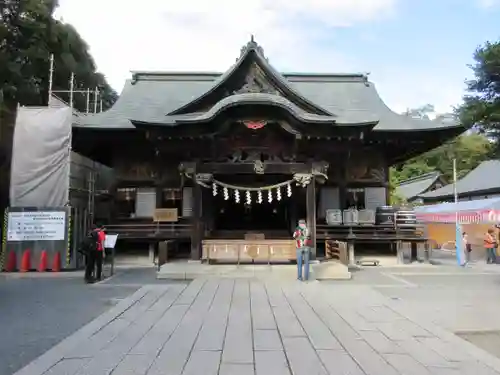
204, 35
207, 36
402, 89
487, 4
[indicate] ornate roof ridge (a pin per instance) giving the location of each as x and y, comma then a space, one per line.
138, 74
252, 45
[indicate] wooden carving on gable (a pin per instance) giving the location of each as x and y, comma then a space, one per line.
365, 168
256, 82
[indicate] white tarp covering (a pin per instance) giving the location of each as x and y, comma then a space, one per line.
40, 157
475, 211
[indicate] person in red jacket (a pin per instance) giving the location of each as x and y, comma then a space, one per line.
101, 237
301, 237
491, 245
94, 254
90, 245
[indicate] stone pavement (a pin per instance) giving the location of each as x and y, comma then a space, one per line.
224, 326
37, 312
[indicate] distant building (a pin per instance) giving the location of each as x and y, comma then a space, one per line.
480, 183
411, 189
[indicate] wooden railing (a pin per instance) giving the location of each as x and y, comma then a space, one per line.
368, 232
150, 230
336, 250
240, 251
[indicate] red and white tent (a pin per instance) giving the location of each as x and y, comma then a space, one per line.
481, 211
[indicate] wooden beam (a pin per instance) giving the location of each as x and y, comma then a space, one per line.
248, 168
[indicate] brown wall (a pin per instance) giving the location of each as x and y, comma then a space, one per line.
442, 233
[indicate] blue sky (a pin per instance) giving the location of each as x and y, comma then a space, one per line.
416, 51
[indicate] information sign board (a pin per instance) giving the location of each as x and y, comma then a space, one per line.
36, 226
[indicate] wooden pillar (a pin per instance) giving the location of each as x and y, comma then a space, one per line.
159, 195
311, 214
293, 216
197, 224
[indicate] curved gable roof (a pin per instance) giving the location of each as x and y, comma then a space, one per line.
253, 52
262, 99
348, 99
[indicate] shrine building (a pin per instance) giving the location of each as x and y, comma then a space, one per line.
217, 159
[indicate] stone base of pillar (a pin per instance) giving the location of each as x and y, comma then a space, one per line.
352, 266
152, 252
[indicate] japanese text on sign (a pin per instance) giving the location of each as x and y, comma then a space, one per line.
36, 226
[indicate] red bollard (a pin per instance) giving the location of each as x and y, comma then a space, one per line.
42, 265
26, 261
11, 265
56, 263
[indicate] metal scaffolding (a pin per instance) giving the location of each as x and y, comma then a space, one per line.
93, 96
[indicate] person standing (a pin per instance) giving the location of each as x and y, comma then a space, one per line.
467, 248
301, 236
90, 250
490, 245
101, 237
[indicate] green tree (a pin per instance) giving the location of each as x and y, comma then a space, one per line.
469, 150
481, 108
394, 180
420, 112
28, 36
25, 32
413, 168
72, 56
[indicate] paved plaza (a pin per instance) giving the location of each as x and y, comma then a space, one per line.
371, 325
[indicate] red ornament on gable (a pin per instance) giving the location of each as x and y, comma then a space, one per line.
255, 125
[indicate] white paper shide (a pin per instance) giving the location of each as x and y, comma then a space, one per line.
36, 226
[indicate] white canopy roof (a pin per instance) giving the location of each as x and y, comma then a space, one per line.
478, 211
474, 205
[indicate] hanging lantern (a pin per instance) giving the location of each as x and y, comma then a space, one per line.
226, 194
249, 198
270, 196
237, 196
289, 190
278, 194
259, 197
214, 189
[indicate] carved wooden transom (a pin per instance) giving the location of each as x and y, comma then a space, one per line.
366, 168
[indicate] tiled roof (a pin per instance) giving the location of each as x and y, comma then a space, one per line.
413, 187
344, 99
484, 178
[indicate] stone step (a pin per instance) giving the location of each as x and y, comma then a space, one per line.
330, 270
